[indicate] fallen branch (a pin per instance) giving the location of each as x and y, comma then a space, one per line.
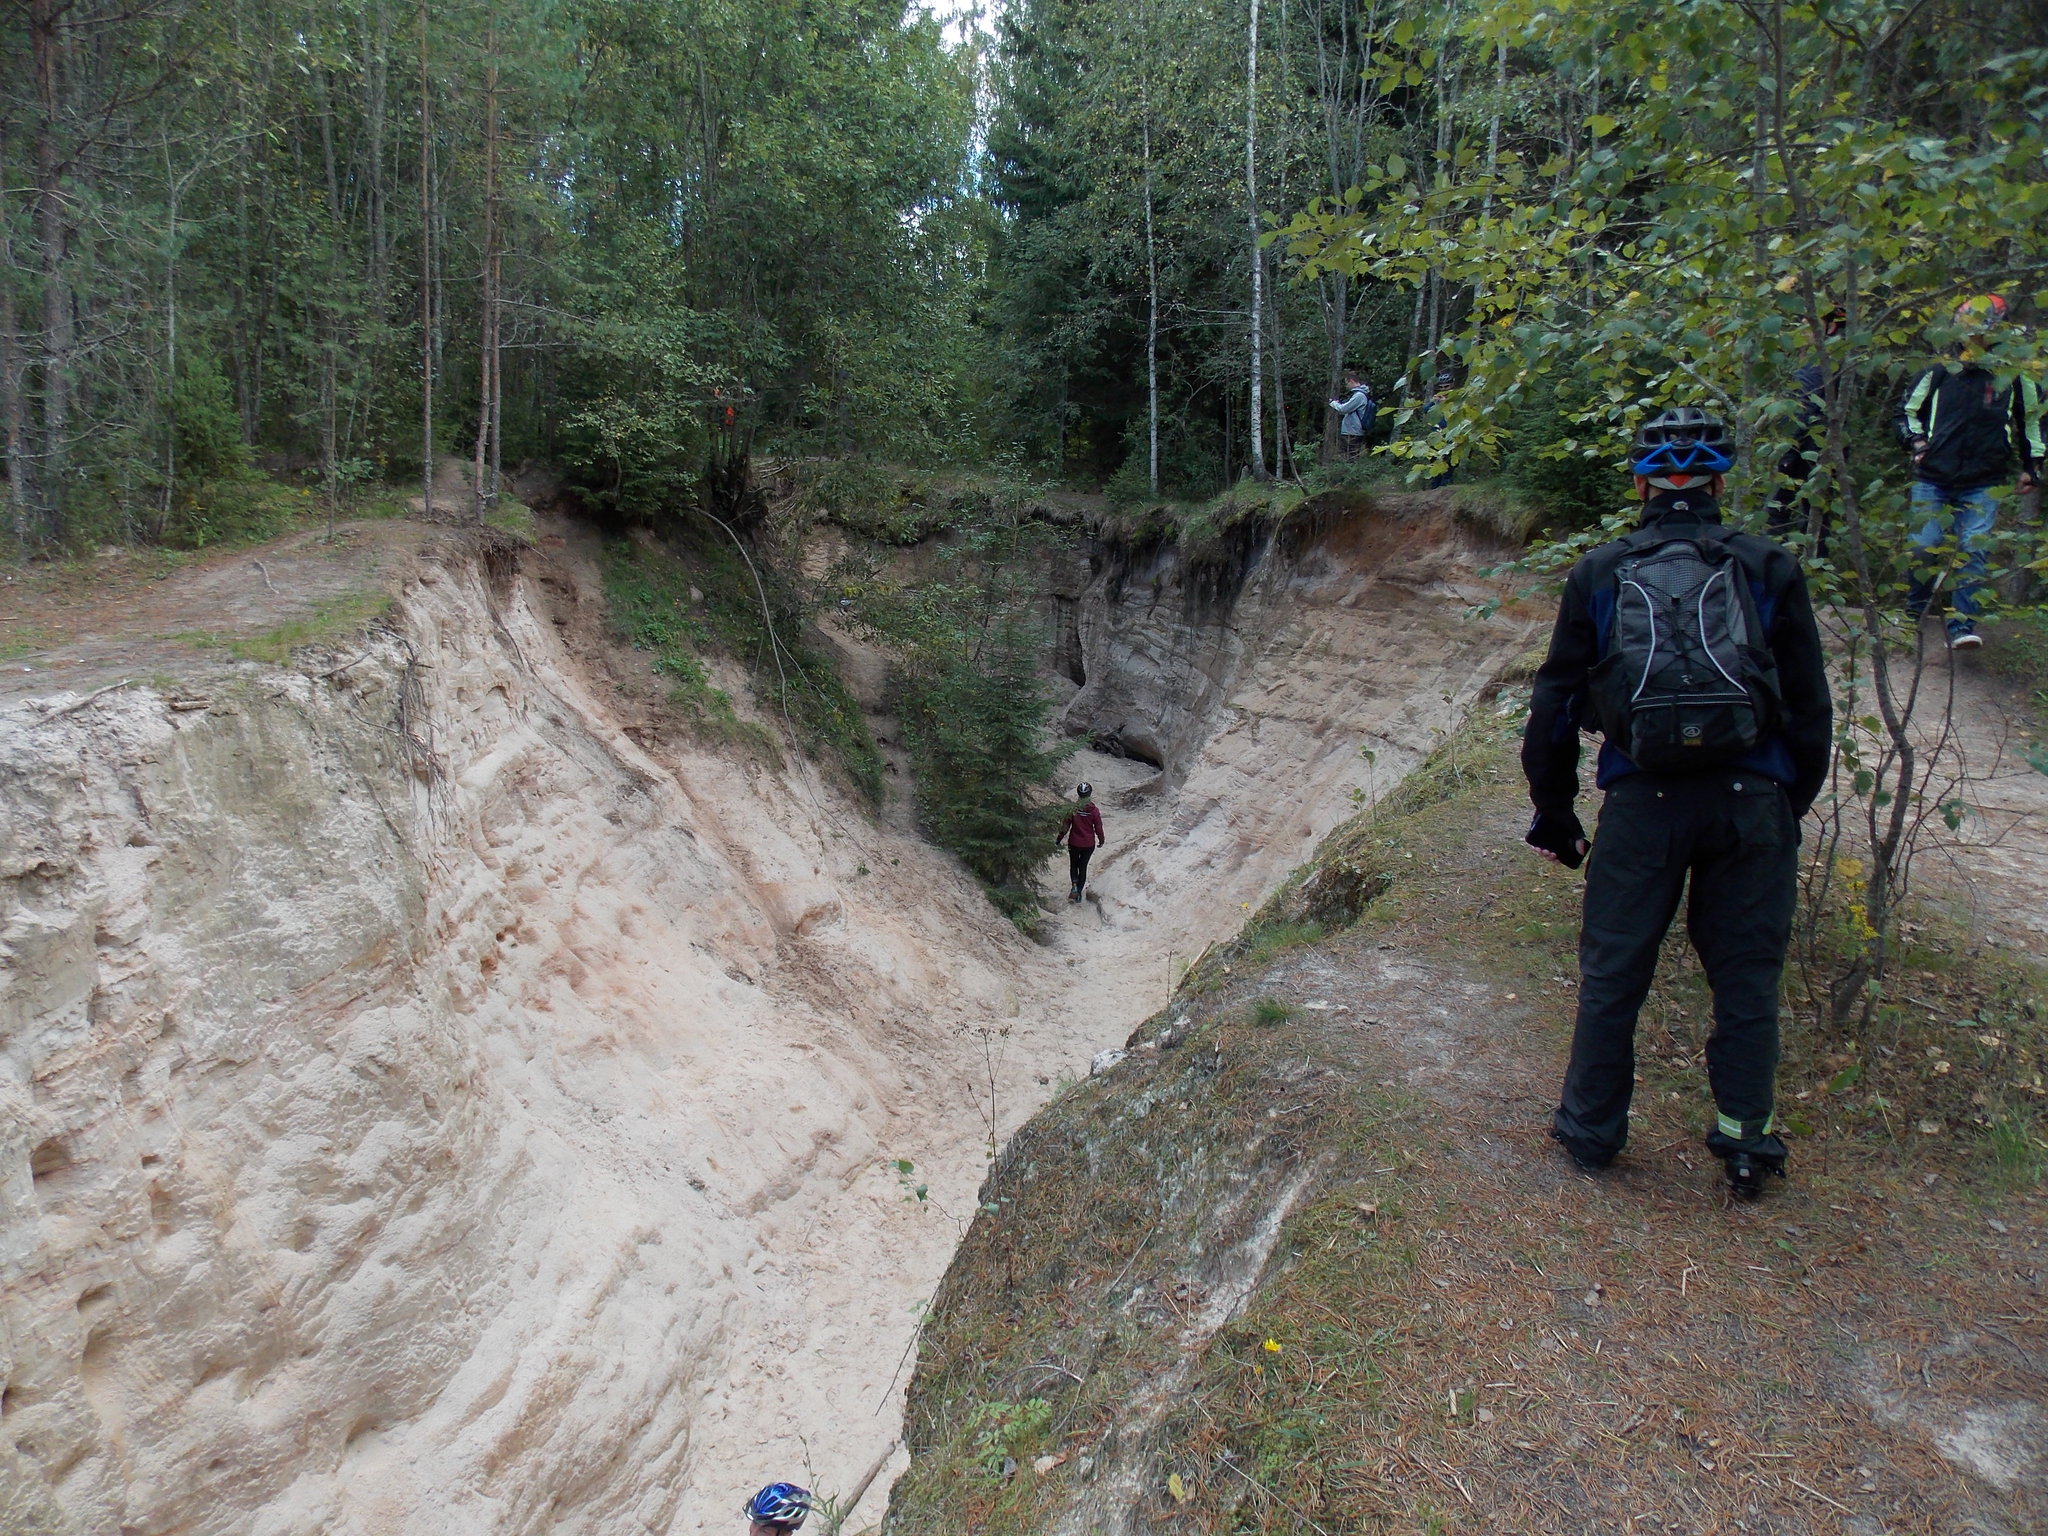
1043, 1365
264, 571
853, 1499
1269, 1493
337, 671
1845, 1509
77, 704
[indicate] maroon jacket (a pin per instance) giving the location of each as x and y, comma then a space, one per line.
1084, 827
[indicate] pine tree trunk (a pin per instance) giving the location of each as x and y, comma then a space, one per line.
483, 479
13, 436
55, 371
375, 82
170, 489
1151, 316
426, 278
1256, 415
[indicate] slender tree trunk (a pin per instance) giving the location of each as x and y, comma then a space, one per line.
376, 82
1443, 152
483, 479
1256, 416
13, 437
496, 468
426, 277
170, 347
1414, 342
44, 19
1151, 306
1283, 436
1500, 92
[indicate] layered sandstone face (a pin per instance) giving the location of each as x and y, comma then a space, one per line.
425, 1107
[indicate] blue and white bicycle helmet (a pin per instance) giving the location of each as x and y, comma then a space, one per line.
782, 1504
1680, 446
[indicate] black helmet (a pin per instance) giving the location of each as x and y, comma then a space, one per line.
1084, 790
1685, 442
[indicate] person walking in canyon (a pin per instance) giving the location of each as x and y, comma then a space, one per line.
1962, 425
1081, 836
1693, 649
777, 1510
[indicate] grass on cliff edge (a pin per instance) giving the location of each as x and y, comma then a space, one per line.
686, 601
1456, 1332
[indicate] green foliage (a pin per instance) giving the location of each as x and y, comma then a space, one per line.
2019, 650
1686, 243
648, 588
968, 636
246, 509
1007, 1431
979, 721
1269, 1011
1097, 105
677, 211
1572, 478
205, 425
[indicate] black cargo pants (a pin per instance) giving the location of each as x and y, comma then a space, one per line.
1735, 836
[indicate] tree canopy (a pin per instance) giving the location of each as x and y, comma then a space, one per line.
620, 235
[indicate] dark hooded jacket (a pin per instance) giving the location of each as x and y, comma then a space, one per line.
1972, 425
1796, 754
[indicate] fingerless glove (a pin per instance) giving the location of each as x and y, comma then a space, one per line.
1559, 833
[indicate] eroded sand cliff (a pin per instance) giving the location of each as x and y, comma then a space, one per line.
427, 1107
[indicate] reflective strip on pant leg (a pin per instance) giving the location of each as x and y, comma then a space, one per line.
1746, 1130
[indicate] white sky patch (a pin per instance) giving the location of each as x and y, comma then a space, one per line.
963, 19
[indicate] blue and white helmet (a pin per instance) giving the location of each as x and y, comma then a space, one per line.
1679, 447
782, 1504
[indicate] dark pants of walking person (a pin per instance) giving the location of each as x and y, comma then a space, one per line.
1735, 836
1350, 445
1077, 865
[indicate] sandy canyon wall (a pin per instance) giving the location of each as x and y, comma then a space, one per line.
433, 1100
421, 1110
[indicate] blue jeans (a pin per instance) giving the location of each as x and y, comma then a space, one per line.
1958, 521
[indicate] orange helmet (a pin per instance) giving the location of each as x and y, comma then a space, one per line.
1987, 309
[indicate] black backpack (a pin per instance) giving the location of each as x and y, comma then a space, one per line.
1688, 682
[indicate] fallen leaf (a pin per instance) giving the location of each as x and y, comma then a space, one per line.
1177, 1488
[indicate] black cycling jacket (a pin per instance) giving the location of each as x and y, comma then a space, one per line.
1972, 424
1796, 754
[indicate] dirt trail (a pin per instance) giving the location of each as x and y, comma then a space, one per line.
2001, 868
133, 614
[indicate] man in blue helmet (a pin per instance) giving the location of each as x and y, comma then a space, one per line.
1692, 649
777, 1509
